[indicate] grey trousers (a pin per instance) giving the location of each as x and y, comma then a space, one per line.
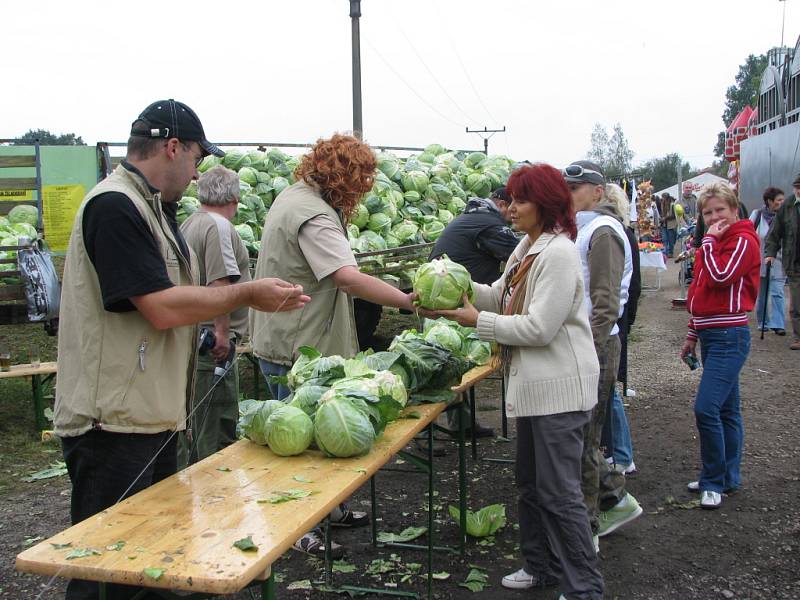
554, 528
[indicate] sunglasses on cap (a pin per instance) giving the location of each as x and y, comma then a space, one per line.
579, 171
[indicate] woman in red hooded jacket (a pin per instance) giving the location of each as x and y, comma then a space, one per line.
723, 291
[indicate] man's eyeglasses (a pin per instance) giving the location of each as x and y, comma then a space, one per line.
579, 171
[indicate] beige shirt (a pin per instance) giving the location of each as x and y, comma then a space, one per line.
324, 246
221, 254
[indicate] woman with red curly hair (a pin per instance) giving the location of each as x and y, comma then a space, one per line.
536, 313
304, 240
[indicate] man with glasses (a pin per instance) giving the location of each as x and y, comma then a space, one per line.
129, 305
607, 261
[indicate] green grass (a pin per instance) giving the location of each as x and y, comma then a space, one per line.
20, 443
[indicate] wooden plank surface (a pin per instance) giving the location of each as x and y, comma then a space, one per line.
44, 368
18, 183
477, 374
187, 524
18, 161
12, 292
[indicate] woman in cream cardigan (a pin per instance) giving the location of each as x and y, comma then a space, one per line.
535, 313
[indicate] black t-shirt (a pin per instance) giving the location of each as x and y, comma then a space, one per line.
480, 241
123, 250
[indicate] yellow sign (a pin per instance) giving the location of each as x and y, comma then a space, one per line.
16, 195
61, 204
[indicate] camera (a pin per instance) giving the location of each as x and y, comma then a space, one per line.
207, 341
691, 361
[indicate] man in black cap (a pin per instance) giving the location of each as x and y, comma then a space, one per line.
607, 262
129, 305
480, 240
784, 235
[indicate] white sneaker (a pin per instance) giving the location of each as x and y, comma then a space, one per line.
625, 469
693, 486
521, 580
710, 500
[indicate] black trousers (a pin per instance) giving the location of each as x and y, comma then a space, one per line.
555, 536
105, 468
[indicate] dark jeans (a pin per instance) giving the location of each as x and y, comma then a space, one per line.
277, 390
105, 468
555, 536
724, 351
669, 243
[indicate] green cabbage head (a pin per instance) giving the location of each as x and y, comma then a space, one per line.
24, 213
441, 284
290, 431
445, 336
254, 421
342, 430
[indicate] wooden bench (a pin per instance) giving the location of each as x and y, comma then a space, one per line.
40, 375
187, 524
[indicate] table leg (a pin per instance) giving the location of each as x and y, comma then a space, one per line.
430, 511
328, 557
473, 419
504, 416
268, 587
462, 484
374, 508
38, 402
102, 591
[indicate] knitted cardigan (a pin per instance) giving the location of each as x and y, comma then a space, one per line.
554, 367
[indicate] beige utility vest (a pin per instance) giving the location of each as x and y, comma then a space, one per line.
326, 323
116, 372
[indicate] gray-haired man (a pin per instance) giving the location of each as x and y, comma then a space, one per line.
223, 260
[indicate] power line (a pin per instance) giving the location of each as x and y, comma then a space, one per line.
461, 62
409, 86
427, 68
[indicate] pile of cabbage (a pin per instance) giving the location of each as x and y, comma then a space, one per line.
411, 202
340, 406
21, 221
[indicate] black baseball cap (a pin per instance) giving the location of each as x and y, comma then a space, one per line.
172, 119
501, 193
584, 171
796, 181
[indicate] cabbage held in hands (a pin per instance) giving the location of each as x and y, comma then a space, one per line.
290, 431
441, 284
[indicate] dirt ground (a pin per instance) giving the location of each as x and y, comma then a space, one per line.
749, 549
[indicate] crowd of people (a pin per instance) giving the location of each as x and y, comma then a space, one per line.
554, 260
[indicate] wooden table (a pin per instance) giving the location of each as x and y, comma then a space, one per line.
187, 523
40, 375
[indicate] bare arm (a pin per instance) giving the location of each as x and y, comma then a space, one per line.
186, 305
222, 326
352, 281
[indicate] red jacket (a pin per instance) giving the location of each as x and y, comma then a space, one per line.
726, 279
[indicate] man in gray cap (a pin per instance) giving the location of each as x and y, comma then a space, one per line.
784, 235
129, 304
606, 258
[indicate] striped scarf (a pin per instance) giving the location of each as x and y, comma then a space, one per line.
515, 284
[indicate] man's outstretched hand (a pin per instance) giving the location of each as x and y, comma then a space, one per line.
275, 295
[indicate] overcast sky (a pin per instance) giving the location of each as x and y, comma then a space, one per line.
272, 71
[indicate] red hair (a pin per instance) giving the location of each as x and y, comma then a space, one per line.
342, 167
545, 187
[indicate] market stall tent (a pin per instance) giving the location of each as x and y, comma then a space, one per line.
697, 182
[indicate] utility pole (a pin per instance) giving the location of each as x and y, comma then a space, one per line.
783, 23
355, 14
486, 134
